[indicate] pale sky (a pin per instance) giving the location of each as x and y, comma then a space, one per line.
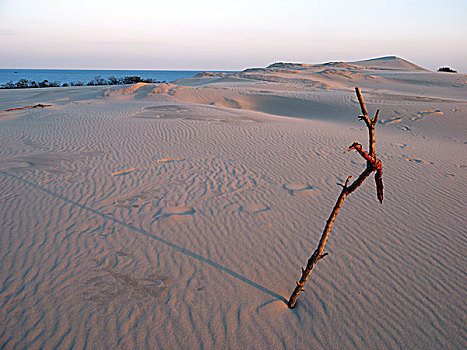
228, 35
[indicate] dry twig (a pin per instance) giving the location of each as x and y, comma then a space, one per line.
34, 106
372, 164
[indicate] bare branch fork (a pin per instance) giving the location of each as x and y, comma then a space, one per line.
373, 164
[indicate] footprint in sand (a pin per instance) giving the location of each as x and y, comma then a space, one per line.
169, 160
419, 115
298, 188
400, 145
112, 286
122, 253
390, 121
176, 211
418, 161
179, 210
255, 208
124, 172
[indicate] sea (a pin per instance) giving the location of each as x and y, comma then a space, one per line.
86, 75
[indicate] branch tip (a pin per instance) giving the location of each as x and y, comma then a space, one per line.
362, 103
352, 146
321, 256
375, 119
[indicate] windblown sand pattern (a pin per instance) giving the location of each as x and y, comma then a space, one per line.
177, 216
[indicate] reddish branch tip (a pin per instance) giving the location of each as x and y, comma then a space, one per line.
375, 119
358, 147
362, 103
379, 184
352, 146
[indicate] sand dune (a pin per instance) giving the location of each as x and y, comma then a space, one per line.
389, 62
127, 90
177, 216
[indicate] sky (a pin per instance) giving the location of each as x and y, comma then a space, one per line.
228, 35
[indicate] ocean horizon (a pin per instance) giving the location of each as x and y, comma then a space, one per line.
86, 75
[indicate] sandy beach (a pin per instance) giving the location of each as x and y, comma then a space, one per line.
178, 215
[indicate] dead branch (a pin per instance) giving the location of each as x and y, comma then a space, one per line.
373, 164
34, 106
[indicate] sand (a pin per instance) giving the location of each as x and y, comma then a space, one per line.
177, 216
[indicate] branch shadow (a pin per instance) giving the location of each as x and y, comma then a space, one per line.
178, 248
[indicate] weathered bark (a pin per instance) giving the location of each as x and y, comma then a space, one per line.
373, 164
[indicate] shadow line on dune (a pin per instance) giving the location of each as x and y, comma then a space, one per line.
155, 237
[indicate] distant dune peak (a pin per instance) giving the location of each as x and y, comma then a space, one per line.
378, 63
384, 58
389, 62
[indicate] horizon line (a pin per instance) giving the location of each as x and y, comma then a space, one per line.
136, 69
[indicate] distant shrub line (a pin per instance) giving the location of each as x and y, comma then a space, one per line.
27, 84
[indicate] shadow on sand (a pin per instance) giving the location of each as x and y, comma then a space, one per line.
157, 238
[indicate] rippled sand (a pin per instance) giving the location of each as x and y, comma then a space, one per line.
179, 215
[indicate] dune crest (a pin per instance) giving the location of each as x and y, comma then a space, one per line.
389, 62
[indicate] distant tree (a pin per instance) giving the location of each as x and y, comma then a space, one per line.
97, 81
113, 81
446, 69
152, 81
100, 81
44, 83
132, 80
9, 85
22, 83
